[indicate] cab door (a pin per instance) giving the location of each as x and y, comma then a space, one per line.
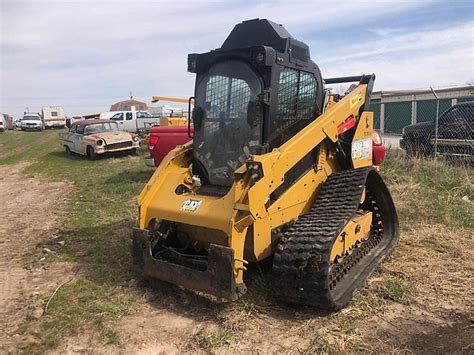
130, 122
119, 118
76, 137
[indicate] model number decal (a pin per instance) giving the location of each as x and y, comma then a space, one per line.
190, 205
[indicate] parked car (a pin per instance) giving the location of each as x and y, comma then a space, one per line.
53, 116
455, 134
135, 121
96, 137
32, 122
162, 140
73, 119
7, 121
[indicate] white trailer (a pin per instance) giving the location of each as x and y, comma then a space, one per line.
53, 116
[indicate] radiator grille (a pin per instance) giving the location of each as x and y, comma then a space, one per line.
118, 145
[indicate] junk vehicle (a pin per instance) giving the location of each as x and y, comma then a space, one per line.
73, 119
134, 121
270, 172
53, 116
31, 122
162, 140
96, 137
8, 121
455, 134
3, 123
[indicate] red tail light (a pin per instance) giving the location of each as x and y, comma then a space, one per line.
378, 149
153, 141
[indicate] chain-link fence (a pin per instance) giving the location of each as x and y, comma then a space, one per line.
427, 123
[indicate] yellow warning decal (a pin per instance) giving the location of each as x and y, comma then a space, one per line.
355, 99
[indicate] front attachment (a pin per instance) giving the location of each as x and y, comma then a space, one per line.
217, 278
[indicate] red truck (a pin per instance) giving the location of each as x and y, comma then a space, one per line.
163, 139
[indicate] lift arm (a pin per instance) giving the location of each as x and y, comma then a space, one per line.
170, 99
277, 163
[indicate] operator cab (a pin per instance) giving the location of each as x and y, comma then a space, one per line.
236, 114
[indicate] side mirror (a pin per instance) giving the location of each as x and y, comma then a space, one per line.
198, 115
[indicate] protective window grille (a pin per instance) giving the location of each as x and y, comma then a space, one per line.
228, 98
296, 95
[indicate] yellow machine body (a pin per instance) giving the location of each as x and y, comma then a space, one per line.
173, 121
277, 168
227, 219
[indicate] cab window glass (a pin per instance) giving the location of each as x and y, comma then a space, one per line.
143, 115
296, 95
80, 129
129, 116
72, 129
117, 117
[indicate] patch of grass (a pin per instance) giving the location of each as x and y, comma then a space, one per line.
18, 146
430, 191
210, 339
345, 324
219, 338
394, 289
246, 306
79, 306
112, 337
318, 346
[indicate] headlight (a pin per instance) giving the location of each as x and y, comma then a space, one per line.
135, 139
100, 142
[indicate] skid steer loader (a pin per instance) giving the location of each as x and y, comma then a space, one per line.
277, 167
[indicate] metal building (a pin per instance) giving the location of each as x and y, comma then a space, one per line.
127, 105
394, 110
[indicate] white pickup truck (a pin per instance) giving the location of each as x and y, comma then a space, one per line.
135, 121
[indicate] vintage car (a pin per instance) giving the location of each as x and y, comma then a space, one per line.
95, 137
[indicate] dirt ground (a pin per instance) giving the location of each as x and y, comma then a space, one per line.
30, 209
432, 263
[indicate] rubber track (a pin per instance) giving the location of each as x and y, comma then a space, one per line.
301, 261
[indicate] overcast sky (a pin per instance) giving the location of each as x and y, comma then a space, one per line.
86, 55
